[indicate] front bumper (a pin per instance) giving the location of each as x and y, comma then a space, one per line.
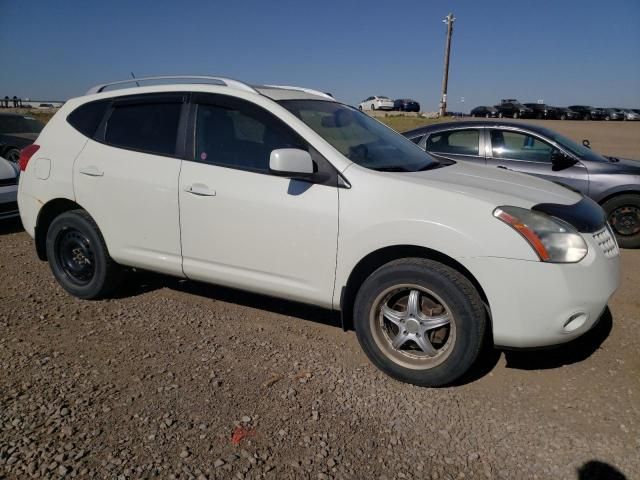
532, 303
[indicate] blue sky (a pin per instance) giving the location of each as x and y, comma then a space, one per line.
564, 52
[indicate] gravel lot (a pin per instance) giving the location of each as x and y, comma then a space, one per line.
178, 379
157, 382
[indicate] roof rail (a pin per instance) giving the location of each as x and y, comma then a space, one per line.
301, 89
227, 82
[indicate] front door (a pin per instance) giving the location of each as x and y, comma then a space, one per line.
241, 225
464, 144
528, 153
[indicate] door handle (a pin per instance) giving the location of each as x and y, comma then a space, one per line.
92, 171
200, 190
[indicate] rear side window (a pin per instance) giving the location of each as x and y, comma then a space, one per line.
457, 142
86, 118
147, 127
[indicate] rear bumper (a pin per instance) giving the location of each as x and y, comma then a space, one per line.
536, 304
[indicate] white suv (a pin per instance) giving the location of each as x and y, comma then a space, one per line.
286, 192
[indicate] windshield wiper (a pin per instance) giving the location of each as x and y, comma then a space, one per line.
392, 169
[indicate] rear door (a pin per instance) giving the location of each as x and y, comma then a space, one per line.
462, 144
126, 177
529, 153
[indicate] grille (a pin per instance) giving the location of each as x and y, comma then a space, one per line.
607, 242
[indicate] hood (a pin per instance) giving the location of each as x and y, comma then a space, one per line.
616, 165
7, 170
494, 185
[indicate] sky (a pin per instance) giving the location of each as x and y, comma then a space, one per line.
563, 52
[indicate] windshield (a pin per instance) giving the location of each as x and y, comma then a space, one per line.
19, 124
577, 149
359, 137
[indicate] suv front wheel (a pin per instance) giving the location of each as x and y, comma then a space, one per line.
79, 258
420, 321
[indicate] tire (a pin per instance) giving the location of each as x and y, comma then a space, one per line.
587, 117
623, 214
79, 258
563, 117
607, 118
486, 115
500, 115
13, 155
457, 343
360, 107
373, 107
540, 116
515, 115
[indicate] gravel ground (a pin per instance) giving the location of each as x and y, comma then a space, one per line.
181, 380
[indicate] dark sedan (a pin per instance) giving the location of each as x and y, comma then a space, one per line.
406, 105
16, 132
563, 113
514, 109
542, 111
587, 112
484, 111
612, 182
613, 114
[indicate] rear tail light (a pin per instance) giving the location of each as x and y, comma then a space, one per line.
25, 155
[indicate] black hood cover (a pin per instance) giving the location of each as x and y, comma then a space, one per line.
586, 216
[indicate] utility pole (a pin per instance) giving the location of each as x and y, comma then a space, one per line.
445, 78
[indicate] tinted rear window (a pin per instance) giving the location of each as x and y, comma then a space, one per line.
149, 127
86, 118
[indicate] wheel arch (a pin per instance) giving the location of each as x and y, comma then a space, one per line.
622, 191
376, 259
47, 214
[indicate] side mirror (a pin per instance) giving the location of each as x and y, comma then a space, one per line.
560, 160
586, 143
291, 162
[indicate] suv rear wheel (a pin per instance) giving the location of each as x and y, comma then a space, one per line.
420, 321
79, 258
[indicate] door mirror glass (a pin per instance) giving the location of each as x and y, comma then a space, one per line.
292, 163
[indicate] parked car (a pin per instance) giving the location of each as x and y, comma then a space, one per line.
542, 111
563, 113
16, 132
613, 114
8, 189
484, 111
430, 255
406, 105
514, 109
612, 182
630, 114
376, 103
588, 113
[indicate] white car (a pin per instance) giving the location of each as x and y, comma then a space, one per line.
287, 192
8, 189
376, 103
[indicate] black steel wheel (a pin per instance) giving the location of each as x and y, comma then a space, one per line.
623, 214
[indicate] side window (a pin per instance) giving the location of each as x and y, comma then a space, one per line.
149, 127
456, 142
241, 135
86, 118
519, 146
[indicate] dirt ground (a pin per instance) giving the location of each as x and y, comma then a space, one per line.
177, 379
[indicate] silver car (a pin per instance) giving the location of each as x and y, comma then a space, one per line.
8, 189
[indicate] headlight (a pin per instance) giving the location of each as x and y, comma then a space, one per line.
552, 239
